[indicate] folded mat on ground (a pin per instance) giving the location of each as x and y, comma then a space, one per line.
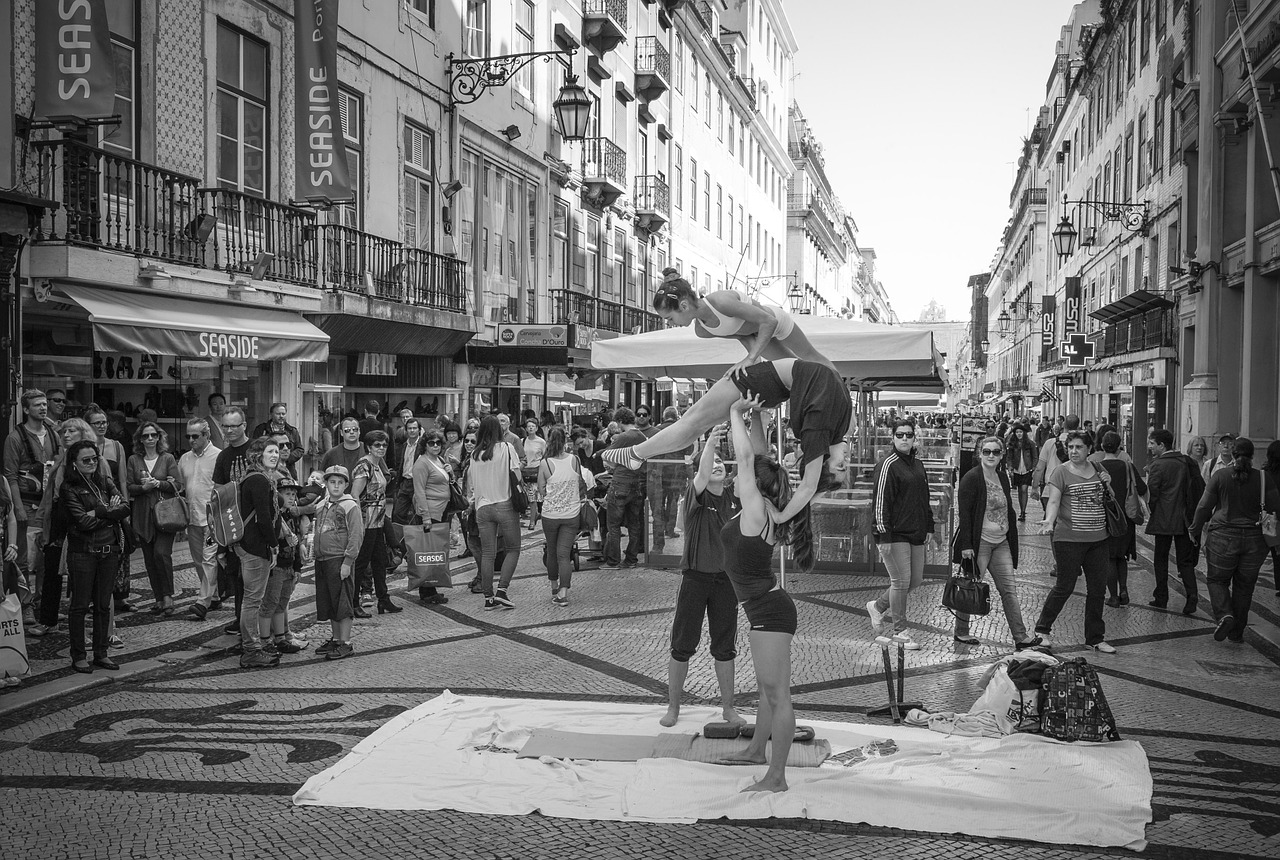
459, 753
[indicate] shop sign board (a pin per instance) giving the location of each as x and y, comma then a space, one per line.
1048, 313
533, 335
1064, 380
321, 168
75, 73
1071, 308
376, 364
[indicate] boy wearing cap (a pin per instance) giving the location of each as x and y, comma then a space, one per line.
273, 616
339, 531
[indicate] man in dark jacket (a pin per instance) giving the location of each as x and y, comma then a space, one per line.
1167, 483
278, 424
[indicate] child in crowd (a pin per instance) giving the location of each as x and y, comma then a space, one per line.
339, 531
273, 618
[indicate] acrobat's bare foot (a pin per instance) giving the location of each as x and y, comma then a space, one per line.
730, 715
673, 715
766, 784
746, 757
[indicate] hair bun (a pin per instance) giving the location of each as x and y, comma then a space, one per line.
669, 274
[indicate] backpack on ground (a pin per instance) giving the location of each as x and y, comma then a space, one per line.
226, 524
1073, 706
1193, 486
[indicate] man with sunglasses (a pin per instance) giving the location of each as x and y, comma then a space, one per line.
57, 405
232, 465
196, 467
349, 450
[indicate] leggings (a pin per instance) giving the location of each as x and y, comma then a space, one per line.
492, 520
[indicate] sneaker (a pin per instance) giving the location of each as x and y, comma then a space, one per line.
1225, 628
28, 617
366, 599
629, 564
500, 597
115, 642
1037, 642
490, 603
232, 629
284, 646
340, 650
270, 648
610, 565
877, 617
622, 457
322, 650
1104, 648
38, 630
259, 660
908, 644
561, 598
215, 605
296, 639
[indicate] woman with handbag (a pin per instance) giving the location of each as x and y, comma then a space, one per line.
1236, 505
95, 540
535, 448
495, 479
432, 488
1020, 461
1126, 484
1076, 517
987, 535
153, 476
115, 460
369, 481
563, 490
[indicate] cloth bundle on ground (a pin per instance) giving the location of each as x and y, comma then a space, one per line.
1011, 692
460, 753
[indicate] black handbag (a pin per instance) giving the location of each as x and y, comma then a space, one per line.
1117, 522
519, 498
964, 593
457, 502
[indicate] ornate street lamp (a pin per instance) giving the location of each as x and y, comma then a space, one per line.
573, 109
470, 77
1133, 216
1002, 322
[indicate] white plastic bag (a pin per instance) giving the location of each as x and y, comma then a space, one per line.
13, 644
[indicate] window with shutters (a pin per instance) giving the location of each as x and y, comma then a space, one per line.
630, 269
719, 211
417, 221
614, 271
706, 200
677, 171
729, 223
693, 189
579, 252
1157, 138
242, 112
1144, 147
1144, 34
1128, 164
677, 60
351, 118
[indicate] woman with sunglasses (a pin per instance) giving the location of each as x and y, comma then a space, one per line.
369, 483
1020, 460
453, 444
116, 459
988, 535
767, 331
902, 523
1075, 517
432, 475
153, 475
95, 539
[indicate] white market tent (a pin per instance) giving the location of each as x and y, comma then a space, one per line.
871, 356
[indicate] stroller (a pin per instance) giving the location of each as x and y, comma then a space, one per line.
592, 536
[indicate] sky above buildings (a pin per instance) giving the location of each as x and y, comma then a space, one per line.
921, 108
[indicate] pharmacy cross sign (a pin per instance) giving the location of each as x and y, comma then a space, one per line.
1077, 349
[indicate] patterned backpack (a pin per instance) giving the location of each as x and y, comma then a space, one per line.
1073, 706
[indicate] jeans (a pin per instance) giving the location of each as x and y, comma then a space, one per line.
1186, 570
625, 504
92, 576
491, 520
1073, 557
1235, 556
372, 564
997, 559
905, 563
709, 594
254, 573
204, 557
31, 560
157, 555
666, 488
51, 596
560, 537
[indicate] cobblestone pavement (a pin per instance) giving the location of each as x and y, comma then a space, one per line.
182, 754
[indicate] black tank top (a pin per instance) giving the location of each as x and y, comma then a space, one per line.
748, 560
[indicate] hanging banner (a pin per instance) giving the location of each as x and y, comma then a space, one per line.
1047, 310
75, 75
1071, 308
321, 169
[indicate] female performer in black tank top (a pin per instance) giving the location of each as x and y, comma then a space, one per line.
749, 539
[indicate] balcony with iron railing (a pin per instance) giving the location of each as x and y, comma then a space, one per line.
652, 203
604, 24
604, 171
595, 312
1151, 330
749, 87
118, 204
653, 68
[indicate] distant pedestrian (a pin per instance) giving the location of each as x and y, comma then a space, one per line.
369, 484
1223, 459
1168, 481
1272, 468
1020, 462
1198, 450
153, 477
1123, 548
489, 477
625, 500
1232, 505
561, 483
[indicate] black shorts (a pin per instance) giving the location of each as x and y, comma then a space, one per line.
1020, 480
762, 380
772, 612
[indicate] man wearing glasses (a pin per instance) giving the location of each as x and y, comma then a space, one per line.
232, 466
346, 453
57, 405
196, 467
278, 425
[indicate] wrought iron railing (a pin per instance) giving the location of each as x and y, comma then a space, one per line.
396, 272
601, 313
652, 195
749, 87
602, 158
110, 201
250, 226
1150, 330
615, 9
434, 281
652, 58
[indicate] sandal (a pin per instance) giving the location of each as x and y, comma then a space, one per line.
967, 640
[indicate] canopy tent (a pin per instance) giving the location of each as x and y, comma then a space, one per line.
556, 391
871, 355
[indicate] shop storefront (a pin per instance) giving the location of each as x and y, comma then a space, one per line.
132, 352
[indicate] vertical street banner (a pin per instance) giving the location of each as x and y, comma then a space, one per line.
75, 75
1071, 309
321, 169
1047, 319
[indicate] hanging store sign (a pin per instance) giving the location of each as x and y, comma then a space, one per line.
1071, 308
533, 335
1047, 311
75, 74
321, 167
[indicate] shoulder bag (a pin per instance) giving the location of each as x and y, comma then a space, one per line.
1266, 520
519, 498
1117, 522
1134, 507
965, 593
171, 514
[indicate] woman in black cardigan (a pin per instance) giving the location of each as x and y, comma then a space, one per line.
988, 534
256, 550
